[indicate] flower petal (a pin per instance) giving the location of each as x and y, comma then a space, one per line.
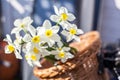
60, 44
77, 38
51, 42
29, 47
56, 37
55, 29
79, 31
32, 30
17, 22
66, 48
65, 33
40, 30
70, 55
47, 24
63, 10
7, 50
17, 54
71, 17
27, 38
54, 18
64, 24
57, 57
16, 30
63, 60
56, 10
27, 20
74, 26
8, 38
30, 62
37, 63
69, 38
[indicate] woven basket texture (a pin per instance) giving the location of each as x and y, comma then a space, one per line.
84, 66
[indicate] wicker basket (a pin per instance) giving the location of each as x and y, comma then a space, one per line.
83, 67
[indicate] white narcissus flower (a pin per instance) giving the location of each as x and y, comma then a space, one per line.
72, 32
19, 39
33, 48
21, 24
33, 54
63, 54
12, 48
49, 33
33, 59
62, 16
34, 36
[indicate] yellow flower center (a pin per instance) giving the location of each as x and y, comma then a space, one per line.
48, 33
11, 48
36, 39
33, 57
61, 54
73, 31
22, 25
64, 16
35, 50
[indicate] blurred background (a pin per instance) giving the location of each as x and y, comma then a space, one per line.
100, 15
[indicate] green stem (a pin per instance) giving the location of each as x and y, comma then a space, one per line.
58, 22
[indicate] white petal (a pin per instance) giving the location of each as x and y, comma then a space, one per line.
37, 63
56, 10
17, 54
9, 38
57, 57
55, 29
30, 62
27, 20
54, 18
32, 30
63, 10
51, 42
69, 38
64, 24
18, 47
7, 50
40, 30
56, 37
69, 55
60, 44
79, 31
74, 26
63, 60
47, 24
27, 38
54, 52
29, 46
17, 35
65, 33
66, 48
17, 22
77, 38
16, 30
71, 17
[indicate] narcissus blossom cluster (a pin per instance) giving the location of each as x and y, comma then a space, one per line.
46, 41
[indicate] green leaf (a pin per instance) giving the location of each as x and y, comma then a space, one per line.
50, 48
73, 50
51, 58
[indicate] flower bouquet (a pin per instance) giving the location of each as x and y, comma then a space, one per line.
53, 44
